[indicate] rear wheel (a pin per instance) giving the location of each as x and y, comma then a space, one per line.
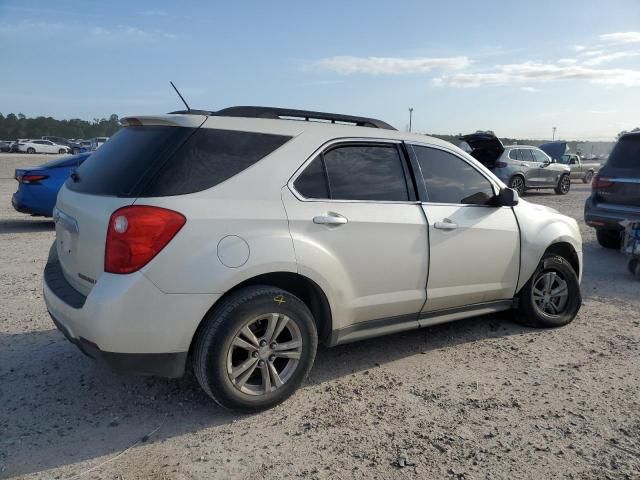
255, 348
587, 177
564, 185
609, 238
517, 183
551, 297
31, 150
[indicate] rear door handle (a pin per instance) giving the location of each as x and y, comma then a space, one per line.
445, 224
330, 219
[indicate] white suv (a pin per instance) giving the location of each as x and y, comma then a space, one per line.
234, 241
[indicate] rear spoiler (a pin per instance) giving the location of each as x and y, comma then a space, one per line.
193, 121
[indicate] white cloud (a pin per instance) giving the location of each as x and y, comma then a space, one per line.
530, 89
540, 72
579, 48
592, 53
621, 37
390, 65
609, 57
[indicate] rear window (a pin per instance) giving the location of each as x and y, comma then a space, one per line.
626, 153
156, 161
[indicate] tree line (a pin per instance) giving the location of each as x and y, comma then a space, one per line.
14, 126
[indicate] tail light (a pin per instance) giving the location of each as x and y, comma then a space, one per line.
601, 183
136, 234
30, 178
501, 164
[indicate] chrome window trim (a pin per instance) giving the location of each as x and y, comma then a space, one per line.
495, 187
331, 143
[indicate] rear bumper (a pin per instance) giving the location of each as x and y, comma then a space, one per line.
125, 321
600, 215
25, 204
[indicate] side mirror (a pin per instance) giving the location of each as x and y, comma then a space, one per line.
507, 197
546, 163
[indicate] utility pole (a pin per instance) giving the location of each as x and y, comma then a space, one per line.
410, 117
554, 133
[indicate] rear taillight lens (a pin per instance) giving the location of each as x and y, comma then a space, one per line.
601, 183
136, 234
501, 164
31, 178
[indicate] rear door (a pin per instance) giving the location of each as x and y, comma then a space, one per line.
474, 254
355, 219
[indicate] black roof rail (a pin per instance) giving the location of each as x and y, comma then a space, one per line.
290, 113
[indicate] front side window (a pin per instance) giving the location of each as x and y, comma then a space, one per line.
356, 172
449, 179
540, 156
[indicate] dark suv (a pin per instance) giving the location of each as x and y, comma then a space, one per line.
616, 192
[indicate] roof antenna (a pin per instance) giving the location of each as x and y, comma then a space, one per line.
181, 97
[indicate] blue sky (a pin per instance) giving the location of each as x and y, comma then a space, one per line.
517, 68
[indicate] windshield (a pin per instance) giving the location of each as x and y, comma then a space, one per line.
564, 159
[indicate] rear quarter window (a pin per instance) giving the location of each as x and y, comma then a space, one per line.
156, 161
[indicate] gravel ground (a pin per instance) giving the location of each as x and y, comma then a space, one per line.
479, 398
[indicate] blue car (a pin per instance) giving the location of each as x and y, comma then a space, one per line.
38, 186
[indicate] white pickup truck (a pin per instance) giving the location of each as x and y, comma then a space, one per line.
580, 168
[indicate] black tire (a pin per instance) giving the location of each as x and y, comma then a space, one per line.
219, 329
588, 177
564, 185
31, 150
530, 314
634, 267
609, 238
517, 183
62, 150
75, 151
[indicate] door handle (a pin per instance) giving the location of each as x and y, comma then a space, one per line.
330, 219
445, 224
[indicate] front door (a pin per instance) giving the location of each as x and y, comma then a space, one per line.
474, 253
356, 225
549, 171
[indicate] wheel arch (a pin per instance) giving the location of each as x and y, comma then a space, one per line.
566, 251
518, 174
302, 287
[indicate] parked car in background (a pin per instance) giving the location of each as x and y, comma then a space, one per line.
521, 167
234, 242
38, 186
41, 146
5, 145
581, 168
85, 146
16, 143
74, 147
615, 194
97, 142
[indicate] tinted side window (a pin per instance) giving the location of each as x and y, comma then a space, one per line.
208, 158
525, 155
366, 172
626, 153
449, 179
312, 183
539, 156
515, 154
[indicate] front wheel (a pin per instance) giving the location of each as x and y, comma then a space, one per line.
517, 183
587, 177
564, 185
62, 150
551, 297
31, 150
255, 348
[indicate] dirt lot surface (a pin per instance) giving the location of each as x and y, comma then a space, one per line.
480, 398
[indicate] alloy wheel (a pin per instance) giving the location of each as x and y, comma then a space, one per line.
517, 183
550, 293
264, 354
565, 184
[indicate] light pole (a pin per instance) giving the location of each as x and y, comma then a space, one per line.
554, 133
410, 117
